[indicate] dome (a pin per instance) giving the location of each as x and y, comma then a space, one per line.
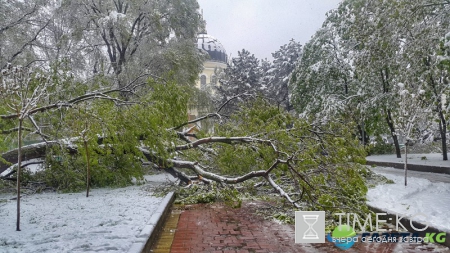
213, 46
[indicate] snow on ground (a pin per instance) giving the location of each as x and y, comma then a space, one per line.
433, 159
420, 196
108, 220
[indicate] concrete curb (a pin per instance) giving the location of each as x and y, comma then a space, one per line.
392, 218
414, 167
148, 236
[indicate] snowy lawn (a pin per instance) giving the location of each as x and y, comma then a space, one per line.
109, 220
420, 196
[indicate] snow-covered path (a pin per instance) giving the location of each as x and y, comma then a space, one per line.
433, 177
433, 159
426, 193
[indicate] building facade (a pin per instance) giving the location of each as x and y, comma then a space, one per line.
213, 68
216, 63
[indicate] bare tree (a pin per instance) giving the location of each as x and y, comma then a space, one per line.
22, 90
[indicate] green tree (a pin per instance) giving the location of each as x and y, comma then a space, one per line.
242, 76
85, 124
424, 58
326, 85
279, 73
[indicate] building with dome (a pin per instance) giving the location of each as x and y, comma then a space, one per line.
216, 63
213, 68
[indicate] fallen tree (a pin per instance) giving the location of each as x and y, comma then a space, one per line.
321, 161
257, 143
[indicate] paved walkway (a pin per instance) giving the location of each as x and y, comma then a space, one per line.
433, 159
219, 228
433, 177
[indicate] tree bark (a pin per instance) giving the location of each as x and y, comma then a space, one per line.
19, 165
442, 121
29, 152
363, 134
88, 168
394, 136
406, 163
443, 132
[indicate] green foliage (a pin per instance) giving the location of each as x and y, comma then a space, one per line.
323, 166
67, 172
208, 194
352, 66
285, 218
63, 172
82, 111
380, 147
113, 135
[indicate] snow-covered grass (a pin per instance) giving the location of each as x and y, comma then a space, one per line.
109, 220
420, 196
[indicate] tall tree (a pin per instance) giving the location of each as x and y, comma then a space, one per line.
278, 76
326, 85
127, 41
242, 76
378, 42
423, 56
324, 79
133, 38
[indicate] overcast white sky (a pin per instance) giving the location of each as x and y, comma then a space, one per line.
262, 26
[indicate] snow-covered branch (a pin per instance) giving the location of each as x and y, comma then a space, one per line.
281, 191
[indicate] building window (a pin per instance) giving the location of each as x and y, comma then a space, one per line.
203, 81
213, 80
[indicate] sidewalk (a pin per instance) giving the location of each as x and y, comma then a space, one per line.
416, 162
220, 228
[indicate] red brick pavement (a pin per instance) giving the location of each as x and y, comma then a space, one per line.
219, 228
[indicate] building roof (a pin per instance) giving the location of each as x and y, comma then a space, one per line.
213, 46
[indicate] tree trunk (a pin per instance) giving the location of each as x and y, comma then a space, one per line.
33, 151
19, 164
364, 137
88, 168
406, 163
394, 136
442, 121
443, 132
397, 145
